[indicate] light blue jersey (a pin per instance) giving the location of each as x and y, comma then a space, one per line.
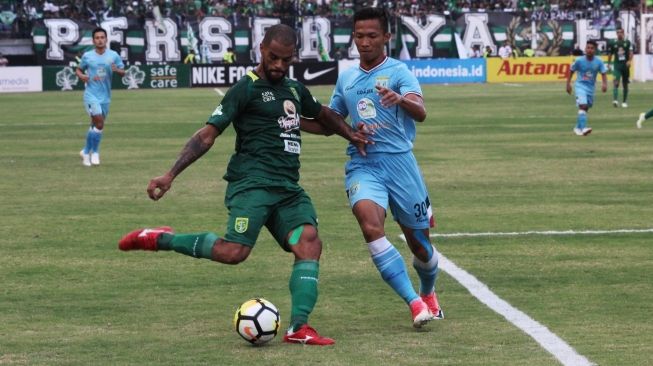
98, 69
586, 72
355, 95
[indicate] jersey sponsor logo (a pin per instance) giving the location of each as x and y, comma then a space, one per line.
217, 111
366, 108
241, 224
292, 147
267, 96
312, 75
290, 121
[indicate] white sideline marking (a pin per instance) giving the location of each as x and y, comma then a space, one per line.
549, 232
220, 93
553, 344
541, 334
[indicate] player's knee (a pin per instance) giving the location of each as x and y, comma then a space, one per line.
371, 231
309, 245
230, 253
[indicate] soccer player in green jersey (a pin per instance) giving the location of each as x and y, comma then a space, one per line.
622, 51
264, 108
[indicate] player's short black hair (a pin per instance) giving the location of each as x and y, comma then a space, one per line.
593, 43
99, 29
373, 13
280, 33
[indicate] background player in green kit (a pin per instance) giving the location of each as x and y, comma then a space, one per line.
622, 51
263, 173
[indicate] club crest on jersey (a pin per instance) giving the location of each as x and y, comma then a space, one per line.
383, 81
241, 224
291, 120
366, 108
267, 96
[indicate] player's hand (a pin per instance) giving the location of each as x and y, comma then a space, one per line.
361, 138
388, 97
604, 87
84, 78
159, 186
568, 88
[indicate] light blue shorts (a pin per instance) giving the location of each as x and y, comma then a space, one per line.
584, 98
391, 180
96, 109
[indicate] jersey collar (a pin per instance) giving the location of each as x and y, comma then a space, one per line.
375, 67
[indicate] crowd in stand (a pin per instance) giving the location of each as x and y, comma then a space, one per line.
17, 16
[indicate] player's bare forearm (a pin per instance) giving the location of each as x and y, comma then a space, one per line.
314, 127
414, 106
334, 123
198, 145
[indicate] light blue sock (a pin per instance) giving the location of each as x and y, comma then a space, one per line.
96, 137
581, 120
89, 141
392, 268
427, 272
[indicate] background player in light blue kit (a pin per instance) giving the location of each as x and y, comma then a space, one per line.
385, 96
95, 70
586, 68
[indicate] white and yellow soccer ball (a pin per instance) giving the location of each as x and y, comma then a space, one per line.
257, 321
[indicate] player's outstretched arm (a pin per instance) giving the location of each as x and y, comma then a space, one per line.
332, 121
314, 127
198, 145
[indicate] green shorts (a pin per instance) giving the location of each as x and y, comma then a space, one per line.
621, 72
254, 202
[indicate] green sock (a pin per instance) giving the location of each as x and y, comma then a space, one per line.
625, 92
615, 94
194, 245
303, 291
649, 114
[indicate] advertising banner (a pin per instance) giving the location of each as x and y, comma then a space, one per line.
308, 73
170, 40
528, 69
448, 71
535, 69
136, 77
20, 79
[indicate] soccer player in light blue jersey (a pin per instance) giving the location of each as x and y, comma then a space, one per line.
95, 70
586, 68
386, 98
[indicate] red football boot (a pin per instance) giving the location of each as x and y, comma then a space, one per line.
307, 335
431, 301
143, 239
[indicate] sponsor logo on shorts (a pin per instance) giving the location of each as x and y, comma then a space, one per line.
241, 224
354, 189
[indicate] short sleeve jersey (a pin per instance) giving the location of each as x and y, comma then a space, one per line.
355, 95
621, 51
266, 118
586, 71
98, 68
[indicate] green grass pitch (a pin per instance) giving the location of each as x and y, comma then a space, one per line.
497, 158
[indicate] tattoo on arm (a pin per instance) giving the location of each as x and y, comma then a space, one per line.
193, 150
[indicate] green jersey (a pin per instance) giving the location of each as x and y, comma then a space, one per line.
266, 119
621, 51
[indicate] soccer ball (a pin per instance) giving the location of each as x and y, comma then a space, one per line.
257, 321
